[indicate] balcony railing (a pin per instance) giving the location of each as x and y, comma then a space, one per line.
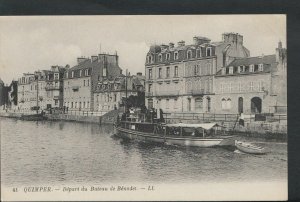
167, 93
148, 94
198, 91
53, 88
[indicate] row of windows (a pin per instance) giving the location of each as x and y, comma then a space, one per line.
242, 69
197, 70
87, 72
107, 98
168, 74
32, 78
79, 105
190, 55
241, 87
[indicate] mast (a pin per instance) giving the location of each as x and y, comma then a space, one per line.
126, 91
37, 94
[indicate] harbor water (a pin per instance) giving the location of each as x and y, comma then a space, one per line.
35, 153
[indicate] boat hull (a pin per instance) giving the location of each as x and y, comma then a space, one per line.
33, 117
182, 141
249, 149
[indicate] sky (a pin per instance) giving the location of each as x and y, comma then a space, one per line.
30, 43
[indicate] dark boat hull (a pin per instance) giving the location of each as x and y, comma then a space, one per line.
183, 141
33, 117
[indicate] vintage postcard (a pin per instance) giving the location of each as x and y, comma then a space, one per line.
143, 107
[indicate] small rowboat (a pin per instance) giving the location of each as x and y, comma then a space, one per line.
249, 148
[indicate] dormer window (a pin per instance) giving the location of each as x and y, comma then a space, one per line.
176, 55
251, 68
56, 76
168, 56
241, 69
260, 67
189, 54
208, 51
148, 59
160, 57
198, 52
87, 72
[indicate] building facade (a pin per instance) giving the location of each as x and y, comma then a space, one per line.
110, 92
81, 81
252, 85
181, 78
42, 88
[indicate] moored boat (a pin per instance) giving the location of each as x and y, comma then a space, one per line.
33, 117
200, 135
249, 148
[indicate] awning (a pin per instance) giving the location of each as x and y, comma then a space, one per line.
205, 126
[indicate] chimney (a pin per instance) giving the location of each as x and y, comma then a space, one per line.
94, 58
279, 44
171, 45
80, 60
139, 74
195, 40
181, 43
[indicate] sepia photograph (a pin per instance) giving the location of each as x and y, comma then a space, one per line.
144, 108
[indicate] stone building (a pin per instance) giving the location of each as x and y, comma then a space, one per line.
181, 78
252, 85
110, 91
3, 94
42, 88
81, 81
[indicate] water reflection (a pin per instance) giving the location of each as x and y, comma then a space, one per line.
69, 152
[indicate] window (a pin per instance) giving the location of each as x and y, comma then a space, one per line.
208, 104
230, 87
189, 54
226, 104
168, 72
260, 67
209, 69
222, 88
72, 74
150, 73
198, 52
167, 103
56, 76
104, 71
176, 56
80, 73
176, 71
231, 70
88, 82
149, 87
148, 59
160, 57
168, 56
175, 103
87, 72
240, 87
198, 104
251, 68
251, 86
115, 97
83, 82
208, 51
195, 70
159, 73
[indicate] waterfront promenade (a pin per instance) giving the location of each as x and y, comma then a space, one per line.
269, 128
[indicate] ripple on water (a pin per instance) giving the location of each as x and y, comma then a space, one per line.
68, 152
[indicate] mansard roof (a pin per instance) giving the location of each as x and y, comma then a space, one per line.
267, 59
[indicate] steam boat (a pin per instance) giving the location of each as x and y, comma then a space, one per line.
200, 135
